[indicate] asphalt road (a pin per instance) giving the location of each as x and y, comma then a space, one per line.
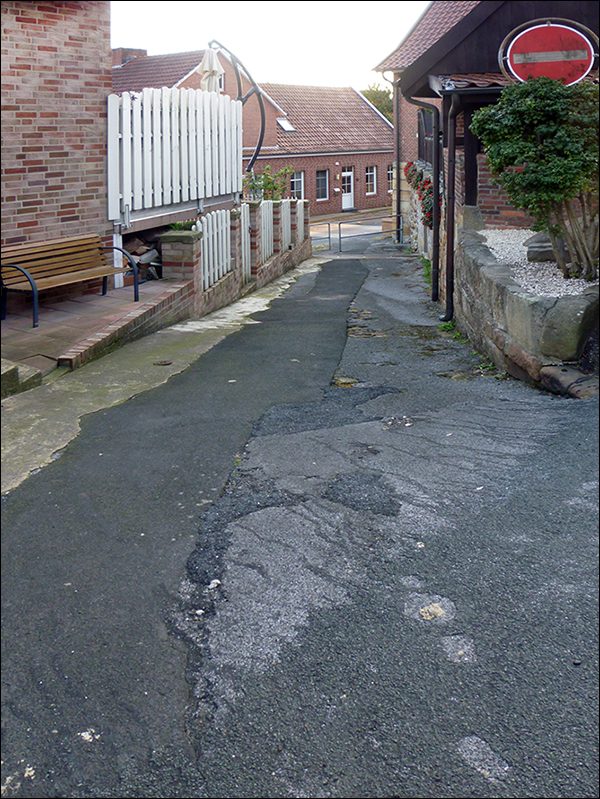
335, 557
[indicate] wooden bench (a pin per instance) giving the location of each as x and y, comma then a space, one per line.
60, 262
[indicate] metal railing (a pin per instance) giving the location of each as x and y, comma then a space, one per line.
366, 221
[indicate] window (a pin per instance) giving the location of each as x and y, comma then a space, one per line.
322, 184
297, 187
285, 124
391, 178
370, 179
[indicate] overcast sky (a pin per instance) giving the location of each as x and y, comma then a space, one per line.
303, 43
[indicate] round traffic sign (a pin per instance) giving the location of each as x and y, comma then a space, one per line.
550, 50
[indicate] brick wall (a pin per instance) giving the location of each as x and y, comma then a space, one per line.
334, 164
408, 129
56, 74
493, 202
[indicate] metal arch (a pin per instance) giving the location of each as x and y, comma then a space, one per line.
237, 64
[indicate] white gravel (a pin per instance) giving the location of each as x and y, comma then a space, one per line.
542, 278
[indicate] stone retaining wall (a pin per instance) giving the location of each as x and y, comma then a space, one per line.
524, 334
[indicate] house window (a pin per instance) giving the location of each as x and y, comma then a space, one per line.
297, 186
391, 176
370, 179
322, 184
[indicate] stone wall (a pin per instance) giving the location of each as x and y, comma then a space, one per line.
524, 334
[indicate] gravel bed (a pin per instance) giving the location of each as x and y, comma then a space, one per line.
542, 278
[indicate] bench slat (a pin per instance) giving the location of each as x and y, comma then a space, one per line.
58, 264
52, 245
53, 281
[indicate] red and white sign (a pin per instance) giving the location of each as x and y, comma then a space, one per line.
550, 50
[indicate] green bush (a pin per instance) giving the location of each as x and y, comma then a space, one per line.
541, 139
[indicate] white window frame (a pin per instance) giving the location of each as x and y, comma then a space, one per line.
297, 178
391, 177
371, 171
326, 173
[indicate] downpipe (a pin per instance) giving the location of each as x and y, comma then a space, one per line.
435, 256
452, 114
398, 210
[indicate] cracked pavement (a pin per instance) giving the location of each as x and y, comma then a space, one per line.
337, 556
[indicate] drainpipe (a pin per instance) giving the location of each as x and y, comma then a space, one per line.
397, 154
399, 224
454, 107
435, 264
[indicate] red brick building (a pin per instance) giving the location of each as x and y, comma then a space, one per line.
56, 75
338, 145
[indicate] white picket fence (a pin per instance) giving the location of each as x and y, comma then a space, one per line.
171, 149
266, 233
216, 246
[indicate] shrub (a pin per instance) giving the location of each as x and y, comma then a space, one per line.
541, 139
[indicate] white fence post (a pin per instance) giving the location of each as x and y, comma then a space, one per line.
286, 224
266, 230
245, 235
300, 231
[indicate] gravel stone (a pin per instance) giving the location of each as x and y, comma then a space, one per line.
542, 278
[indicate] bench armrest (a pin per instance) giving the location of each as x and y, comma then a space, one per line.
34, 291
22, 270
135, 268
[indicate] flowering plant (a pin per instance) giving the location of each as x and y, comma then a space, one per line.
424, 189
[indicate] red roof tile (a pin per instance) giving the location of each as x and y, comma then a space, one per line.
327, 120
470, 80
437, 20
154, 72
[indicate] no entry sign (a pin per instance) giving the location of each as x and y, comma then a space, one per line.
551, 50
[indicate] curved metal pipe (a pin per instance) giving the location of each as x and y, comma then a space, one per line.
454, 108
435, 257
236, 63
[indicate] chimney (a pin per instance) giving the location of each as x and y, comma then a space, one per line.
121, 55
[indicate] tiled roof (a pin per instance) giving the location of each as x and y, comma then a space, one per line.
327, 120
154, 72
437, 20
484, 80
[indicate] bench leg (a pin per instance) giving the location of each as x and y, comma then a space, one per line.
4, 293
104, 285
136, 288
35, 306
134, 269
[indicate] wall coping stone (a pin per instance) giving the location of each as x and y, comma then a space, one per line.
182, 236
